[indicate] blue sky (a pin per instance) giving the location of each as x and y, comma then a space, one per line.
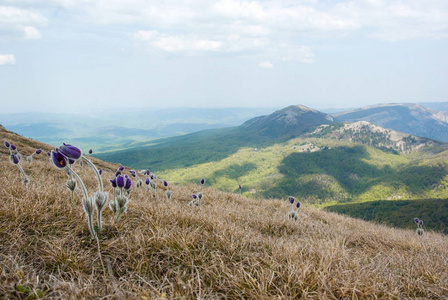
85, 55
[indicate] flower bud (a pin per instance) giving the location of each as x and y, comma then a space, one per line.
128, 183
70, 151
291, 199
7, 144
100, 200
71, 184
14, 159
113, 182
87, 204
120, 181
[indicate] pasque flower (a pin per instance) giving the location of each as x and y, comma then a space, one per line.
70, 151
291, 199
120, 181
58, 160
14, 159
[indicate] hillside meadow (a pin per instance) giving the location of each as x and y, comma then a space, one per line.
231, 247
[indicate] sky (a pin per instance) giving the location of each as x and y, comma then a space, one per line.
86, 55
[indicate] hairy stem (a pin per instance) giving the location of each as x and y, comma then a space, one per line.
81, 183
97, 173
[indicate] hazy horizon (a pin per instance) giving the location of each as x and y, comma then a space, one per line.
76, 56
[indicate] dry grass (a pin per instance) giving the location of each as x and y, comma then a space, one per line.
230, 248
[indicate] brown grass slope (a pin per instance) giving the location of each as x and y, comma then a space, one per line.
230, 248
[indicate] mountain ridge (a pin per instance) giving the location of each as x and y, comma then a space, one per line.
408, 118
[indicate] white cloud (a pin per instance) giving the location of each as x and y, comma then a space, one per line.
20, 23
273, 29
31, 33
178, 43
266, 65
7, 59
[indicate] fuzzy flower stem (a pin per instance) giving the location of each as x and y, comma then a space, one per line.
99, 213
21, 171
81, 183
91, 229
97, 173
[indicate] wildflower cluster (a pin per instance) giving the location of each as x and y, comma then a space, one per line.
14, 158
139, 181
64, 158
419, 223
197, 198
150, 182
293, 214
122, 186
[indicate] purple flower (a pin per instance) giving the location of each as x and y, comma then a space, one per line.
147, 172
128, 183
298, 204
120, 181
70, 151
152, 176
165, 183
90, 151
291, 199
7, 144
420, 222
194, 196
14, 159
100, 171
239, 186
71, 161
121, 168
13, 147
117, 173
147, 181
113, 182
132, 173
38, 151
202, 180
416, 220
49, 153
58, 159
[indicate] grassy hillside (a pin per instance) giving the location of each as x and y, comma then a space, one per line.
230, 248
396, 213
322, 171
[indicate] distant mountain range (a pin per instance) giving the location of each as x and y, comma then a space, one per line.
300, 151
408, 118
